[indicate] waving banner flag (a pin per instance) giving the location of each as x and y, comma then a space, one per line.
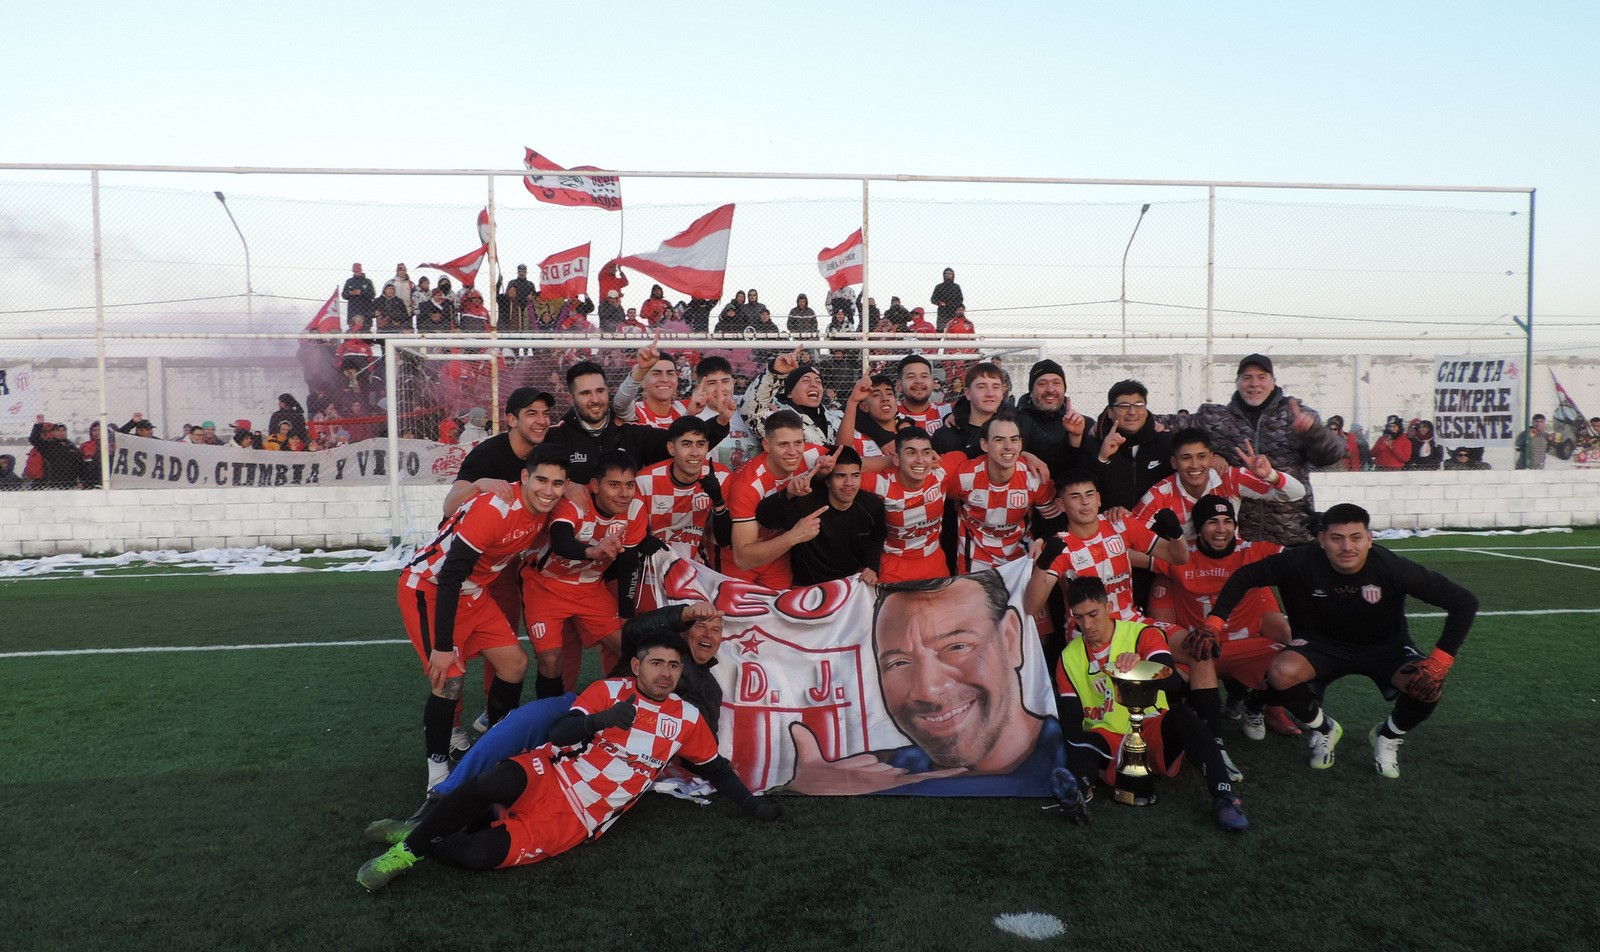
844, 689
483, 226
842, 266
464, 268
326, 320
693, 261
602, 191
565, 274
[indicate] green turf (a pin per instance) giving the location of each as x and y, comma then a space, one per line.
216, 800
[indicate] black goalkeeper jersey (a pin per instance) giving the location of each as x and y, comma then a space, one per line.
1360, 610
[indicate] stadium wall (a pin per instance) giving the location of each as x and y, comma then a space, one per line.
36, 524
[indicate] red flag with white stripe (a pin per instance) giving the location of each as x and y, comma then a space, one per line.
565, 274
326, 320
694, 261
842, 266
483, 226
598, 191
464, 268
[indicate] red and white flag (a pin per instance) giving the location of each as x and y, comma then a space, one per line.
693, 261
483, 226
841, 266
326, 320
464, 268
565, 274
599, 191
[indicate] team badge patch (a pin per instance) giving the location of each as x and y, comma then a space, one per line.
1372, 593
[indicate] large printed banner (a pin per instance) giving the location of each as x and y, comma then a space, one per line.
137, 462
16, 400
934, 689
1477, 400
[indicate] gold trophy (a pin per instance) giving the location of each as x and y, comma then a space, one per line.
1136, 690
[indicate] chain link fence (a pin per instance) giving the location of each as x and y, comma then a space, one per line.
207, 283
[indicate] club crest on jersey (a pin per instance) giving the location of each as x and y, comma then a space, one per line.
668, 727
933, 494
702, 503
1115, 546
1017, 499
1372, 593
538, 629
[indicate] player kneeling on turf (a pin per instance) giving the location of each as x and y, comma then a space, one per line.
1346, 600
602, 757
1095, 724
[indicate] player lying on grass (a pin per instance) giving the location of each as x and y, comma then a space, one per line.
1095, 725
1346, 600
602, 756
446, 609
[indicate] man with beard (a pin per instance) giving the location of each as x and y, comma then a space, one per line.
950, 658
588, 429
603, 755
916, 394
1283, 431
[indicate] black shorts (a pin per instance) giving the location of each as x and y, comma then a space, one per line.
1333, 661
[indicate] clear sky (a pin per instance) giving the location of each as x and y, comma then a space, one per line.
1437, 93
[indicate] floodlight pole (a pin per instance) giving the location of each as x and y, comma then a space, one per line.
249, 290
1124, 297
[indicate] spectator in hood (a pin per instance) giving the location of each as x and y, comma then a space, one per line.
401, 282
1393, 450
947, 297
802, 319
1426, 453
9, 480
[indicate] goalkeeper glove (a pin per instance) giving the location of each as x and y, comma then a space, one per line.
1166, 525
1427, 676
620, 714
1053, 547
1202, 644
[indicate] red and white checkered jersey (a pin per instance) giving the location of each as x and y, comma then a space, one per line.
1195, 585
590, 527
1170, 494
660, 421
1104, 555
913, 516
619, 765
754, 482
993, 524
501, 531
930, 419
678, 514
867, 448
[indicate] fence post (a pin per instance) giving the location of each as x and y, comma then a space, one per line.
1211, 282
494, 322
861, 312
1527, 360
100, 330
390, 390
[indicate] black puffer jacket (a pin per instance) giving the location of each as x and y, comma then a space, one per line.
1144, 459
1270, 429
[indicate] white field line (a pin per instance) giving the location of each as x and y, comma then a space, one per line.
1529, 558
72, 652
1495, 550
65, 653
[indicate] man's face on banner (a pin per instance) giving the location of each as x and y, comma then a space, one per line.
950, 673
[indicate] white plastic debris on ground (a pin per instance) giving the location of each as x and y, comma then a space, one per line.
260, 560
1388, 534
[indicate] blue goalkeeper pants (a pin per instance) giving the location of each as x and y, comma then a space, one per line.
524, 728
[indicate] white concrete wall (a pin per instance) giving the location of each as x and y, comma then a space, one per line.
50, 523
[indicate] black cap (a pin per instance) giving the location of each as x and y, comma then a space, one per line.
1255, 360
522, 267
1209, 507
525, 397
1046, 366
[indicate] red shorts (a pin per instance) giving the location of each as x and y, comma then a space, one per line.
906, 568
549, 605
541, 823
1155, 751
1246, 660
480, 624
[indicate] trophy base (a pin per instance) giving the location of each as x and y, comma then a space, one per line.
1130, 799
